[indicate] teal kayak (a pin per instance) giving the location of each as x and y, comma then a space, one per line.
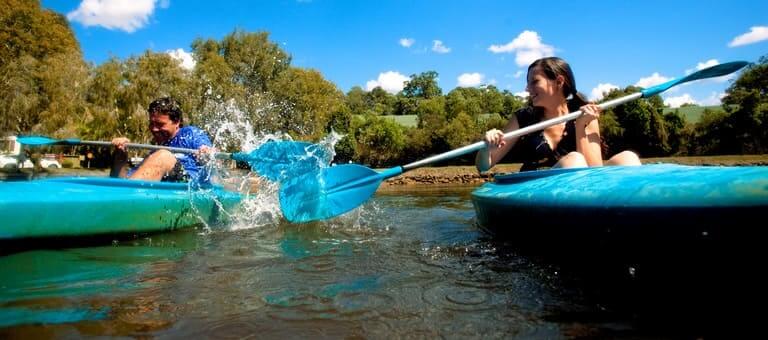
653, 202
88, 206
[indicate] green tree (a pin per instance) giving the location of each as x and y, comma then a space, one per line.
380, 102
310, 101
255, 60
708, 133
512, 103
460, 131
379, 141
41, 71
423, 85
420, 87
746, 103
466, 100
492, 100
677, 131
356, 100
642, 125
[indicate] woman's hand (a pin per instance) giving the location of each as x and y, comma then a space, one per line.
494, 137
590, 112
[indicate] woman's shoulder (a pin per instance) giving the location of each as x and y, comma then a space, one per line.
526, 116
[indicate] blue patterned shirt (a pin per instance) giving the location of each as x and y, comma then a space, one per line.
189, 137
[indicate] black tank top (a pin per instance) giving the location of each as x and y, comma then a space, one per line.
533, 150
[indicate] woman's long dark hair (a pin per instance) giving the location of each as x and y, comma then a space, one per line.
553, 67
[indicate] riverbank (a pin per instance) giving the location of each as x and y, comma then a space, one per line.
443, 175
460, 175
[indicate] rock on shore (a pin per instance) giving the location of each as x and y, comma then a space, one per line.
447, 175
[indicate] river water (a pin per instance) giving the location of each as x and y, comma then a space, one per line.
408, 264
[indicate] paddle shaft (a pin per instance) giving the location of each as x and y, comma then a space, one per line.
218, 155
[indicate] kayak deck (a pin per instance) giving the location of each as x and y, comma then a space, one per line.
84, 206
660, 201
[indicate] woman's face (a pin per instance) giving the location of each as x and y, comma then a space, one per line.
542, 91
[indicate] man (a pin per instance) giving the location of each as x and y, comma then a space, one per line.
166, 125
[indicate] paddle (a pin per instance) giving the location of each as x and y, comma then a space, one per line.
329, 192
274, 159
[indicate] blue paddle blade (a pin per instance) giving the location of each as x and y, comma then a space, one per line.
278, 160
710, 72
42, 140
328, 192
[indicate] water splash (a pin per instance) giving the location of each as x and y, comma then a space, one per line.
231, 129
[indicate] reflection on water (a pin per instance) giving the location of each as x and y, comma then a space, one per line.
408, 264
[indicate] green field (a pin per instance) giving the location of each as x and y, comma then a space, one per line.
692, 114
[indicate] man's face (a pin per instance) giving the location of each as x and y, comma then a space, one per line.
162, 128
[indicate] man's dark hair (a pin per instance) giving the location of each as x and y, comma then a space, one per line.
166, 106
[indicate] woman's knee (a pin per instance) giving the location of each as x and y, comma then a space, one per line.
624, 158
573, 159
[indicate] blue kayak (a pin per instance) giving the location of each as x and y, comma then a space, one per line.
88, 206
653, 202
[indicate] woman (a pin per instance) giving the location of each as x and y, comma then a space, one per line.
552, 93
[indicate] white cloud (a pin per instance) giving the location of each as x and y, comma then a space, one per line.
518, 74
756, 34
675, 102
125, 15
708, 63
654, 79
438, 47
527, 48
407, 42
523, 94
600, 91
390, 81
470, 79
714, 98
186, 60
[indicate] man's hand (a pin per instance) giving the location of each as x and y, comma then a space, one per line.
120, 143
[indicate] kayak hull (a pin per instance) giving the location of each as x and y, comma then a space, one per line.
661, 202
86, 206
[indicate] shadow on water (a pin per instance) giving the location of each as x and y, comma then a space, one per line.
660, 287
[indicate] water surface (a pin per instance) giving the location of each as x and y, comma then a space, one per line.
409, 264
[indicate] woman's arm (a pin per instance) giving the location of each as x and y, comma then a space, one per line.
496, 147
588, 135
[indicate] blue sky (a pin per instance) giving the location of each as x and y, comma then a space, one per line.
469, 43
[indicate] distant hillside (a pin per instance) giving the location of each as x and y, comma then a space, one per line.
692, 114
405, 120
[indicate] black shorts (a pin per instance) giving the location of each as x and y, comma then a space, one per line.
177, 174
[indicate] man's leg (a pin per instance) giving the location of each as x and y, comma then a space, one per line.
155, 166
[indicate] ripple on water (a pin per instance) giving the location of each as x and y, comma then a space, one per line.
447, 296
316, 264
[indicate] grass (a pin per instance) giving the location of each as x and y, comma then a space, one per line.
692, 114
